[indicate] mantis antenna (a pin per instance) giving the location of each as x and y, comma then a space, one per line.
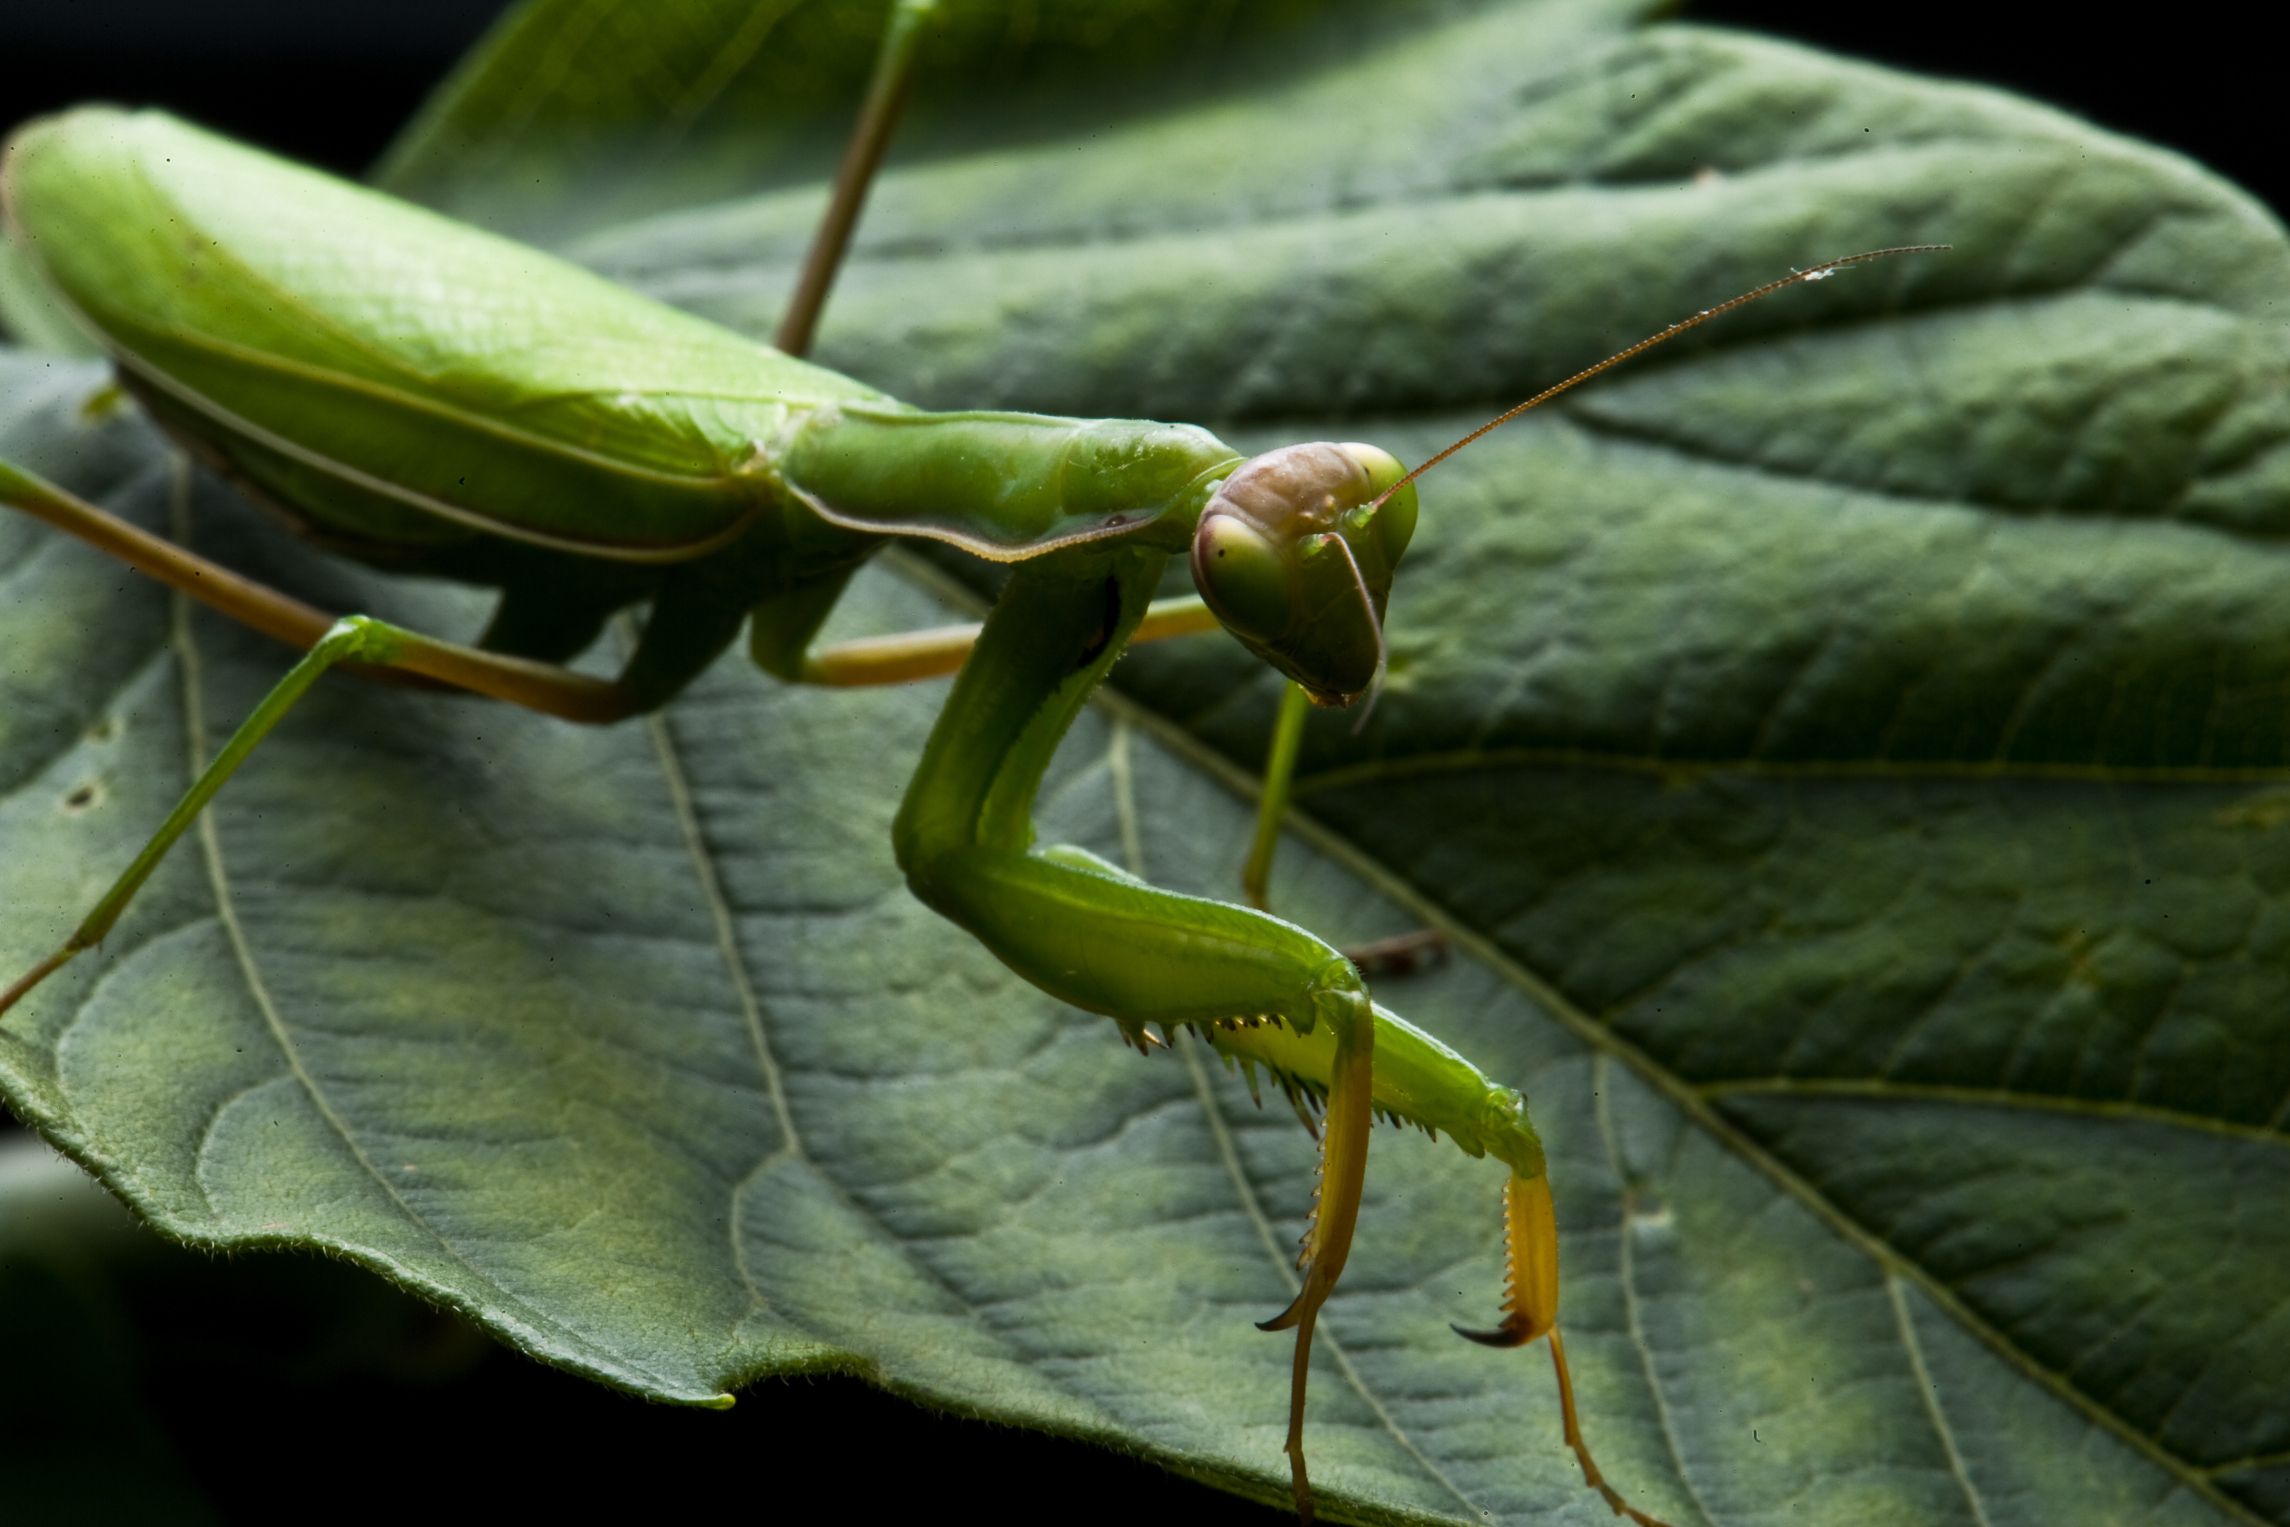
1794, 278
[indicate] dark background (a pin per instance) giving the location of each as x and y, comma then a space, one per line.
330, 83
277, 1386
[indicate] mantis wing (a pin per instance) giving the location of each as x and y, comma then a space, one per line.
404, 380
394, 375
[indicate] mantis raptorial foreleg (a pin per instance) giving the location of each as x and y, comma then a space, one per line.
1100, 939
1530, 1312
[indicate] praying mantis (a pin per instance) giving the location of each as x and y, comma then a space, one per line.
1295, 551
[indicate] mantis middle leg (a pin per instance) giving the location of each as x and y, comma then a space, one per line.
941, 650
1401, 954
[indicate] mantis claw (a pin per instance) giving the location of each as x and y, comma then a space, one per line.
1403, 954
1511, 1333
1530, 1298
1286, 1318
1350, 1109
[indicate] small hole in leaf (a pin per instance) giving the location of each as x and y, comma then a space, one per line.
81, 799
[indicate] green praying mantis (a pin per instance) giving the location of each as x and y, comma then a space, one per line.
426, 396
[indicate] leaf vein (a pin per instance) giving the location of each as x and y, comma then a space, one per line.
1928, 1391
258, 991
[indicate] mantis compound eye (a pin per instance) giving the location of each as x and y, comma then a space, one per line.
1242, 575
1393, 522
1295, 557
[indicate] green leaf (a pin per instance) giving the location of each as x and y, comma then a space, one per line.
1846, 750
573, 114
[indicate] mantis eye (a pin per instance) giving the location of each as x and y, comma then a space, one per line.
1392, 522
1242, 576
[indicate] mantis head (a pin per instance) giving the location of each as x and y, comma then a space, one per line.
1294, 554
1295, 550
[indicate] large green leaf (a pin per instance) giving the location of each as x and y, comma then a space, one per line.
573, 114
1847, 752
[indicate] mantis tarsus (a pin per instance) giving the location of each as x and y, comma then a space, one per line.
584, 449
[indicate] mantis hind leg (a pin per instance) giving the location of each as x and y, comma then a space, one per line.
353, 639
358, 640
1530, 1312
542, 687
